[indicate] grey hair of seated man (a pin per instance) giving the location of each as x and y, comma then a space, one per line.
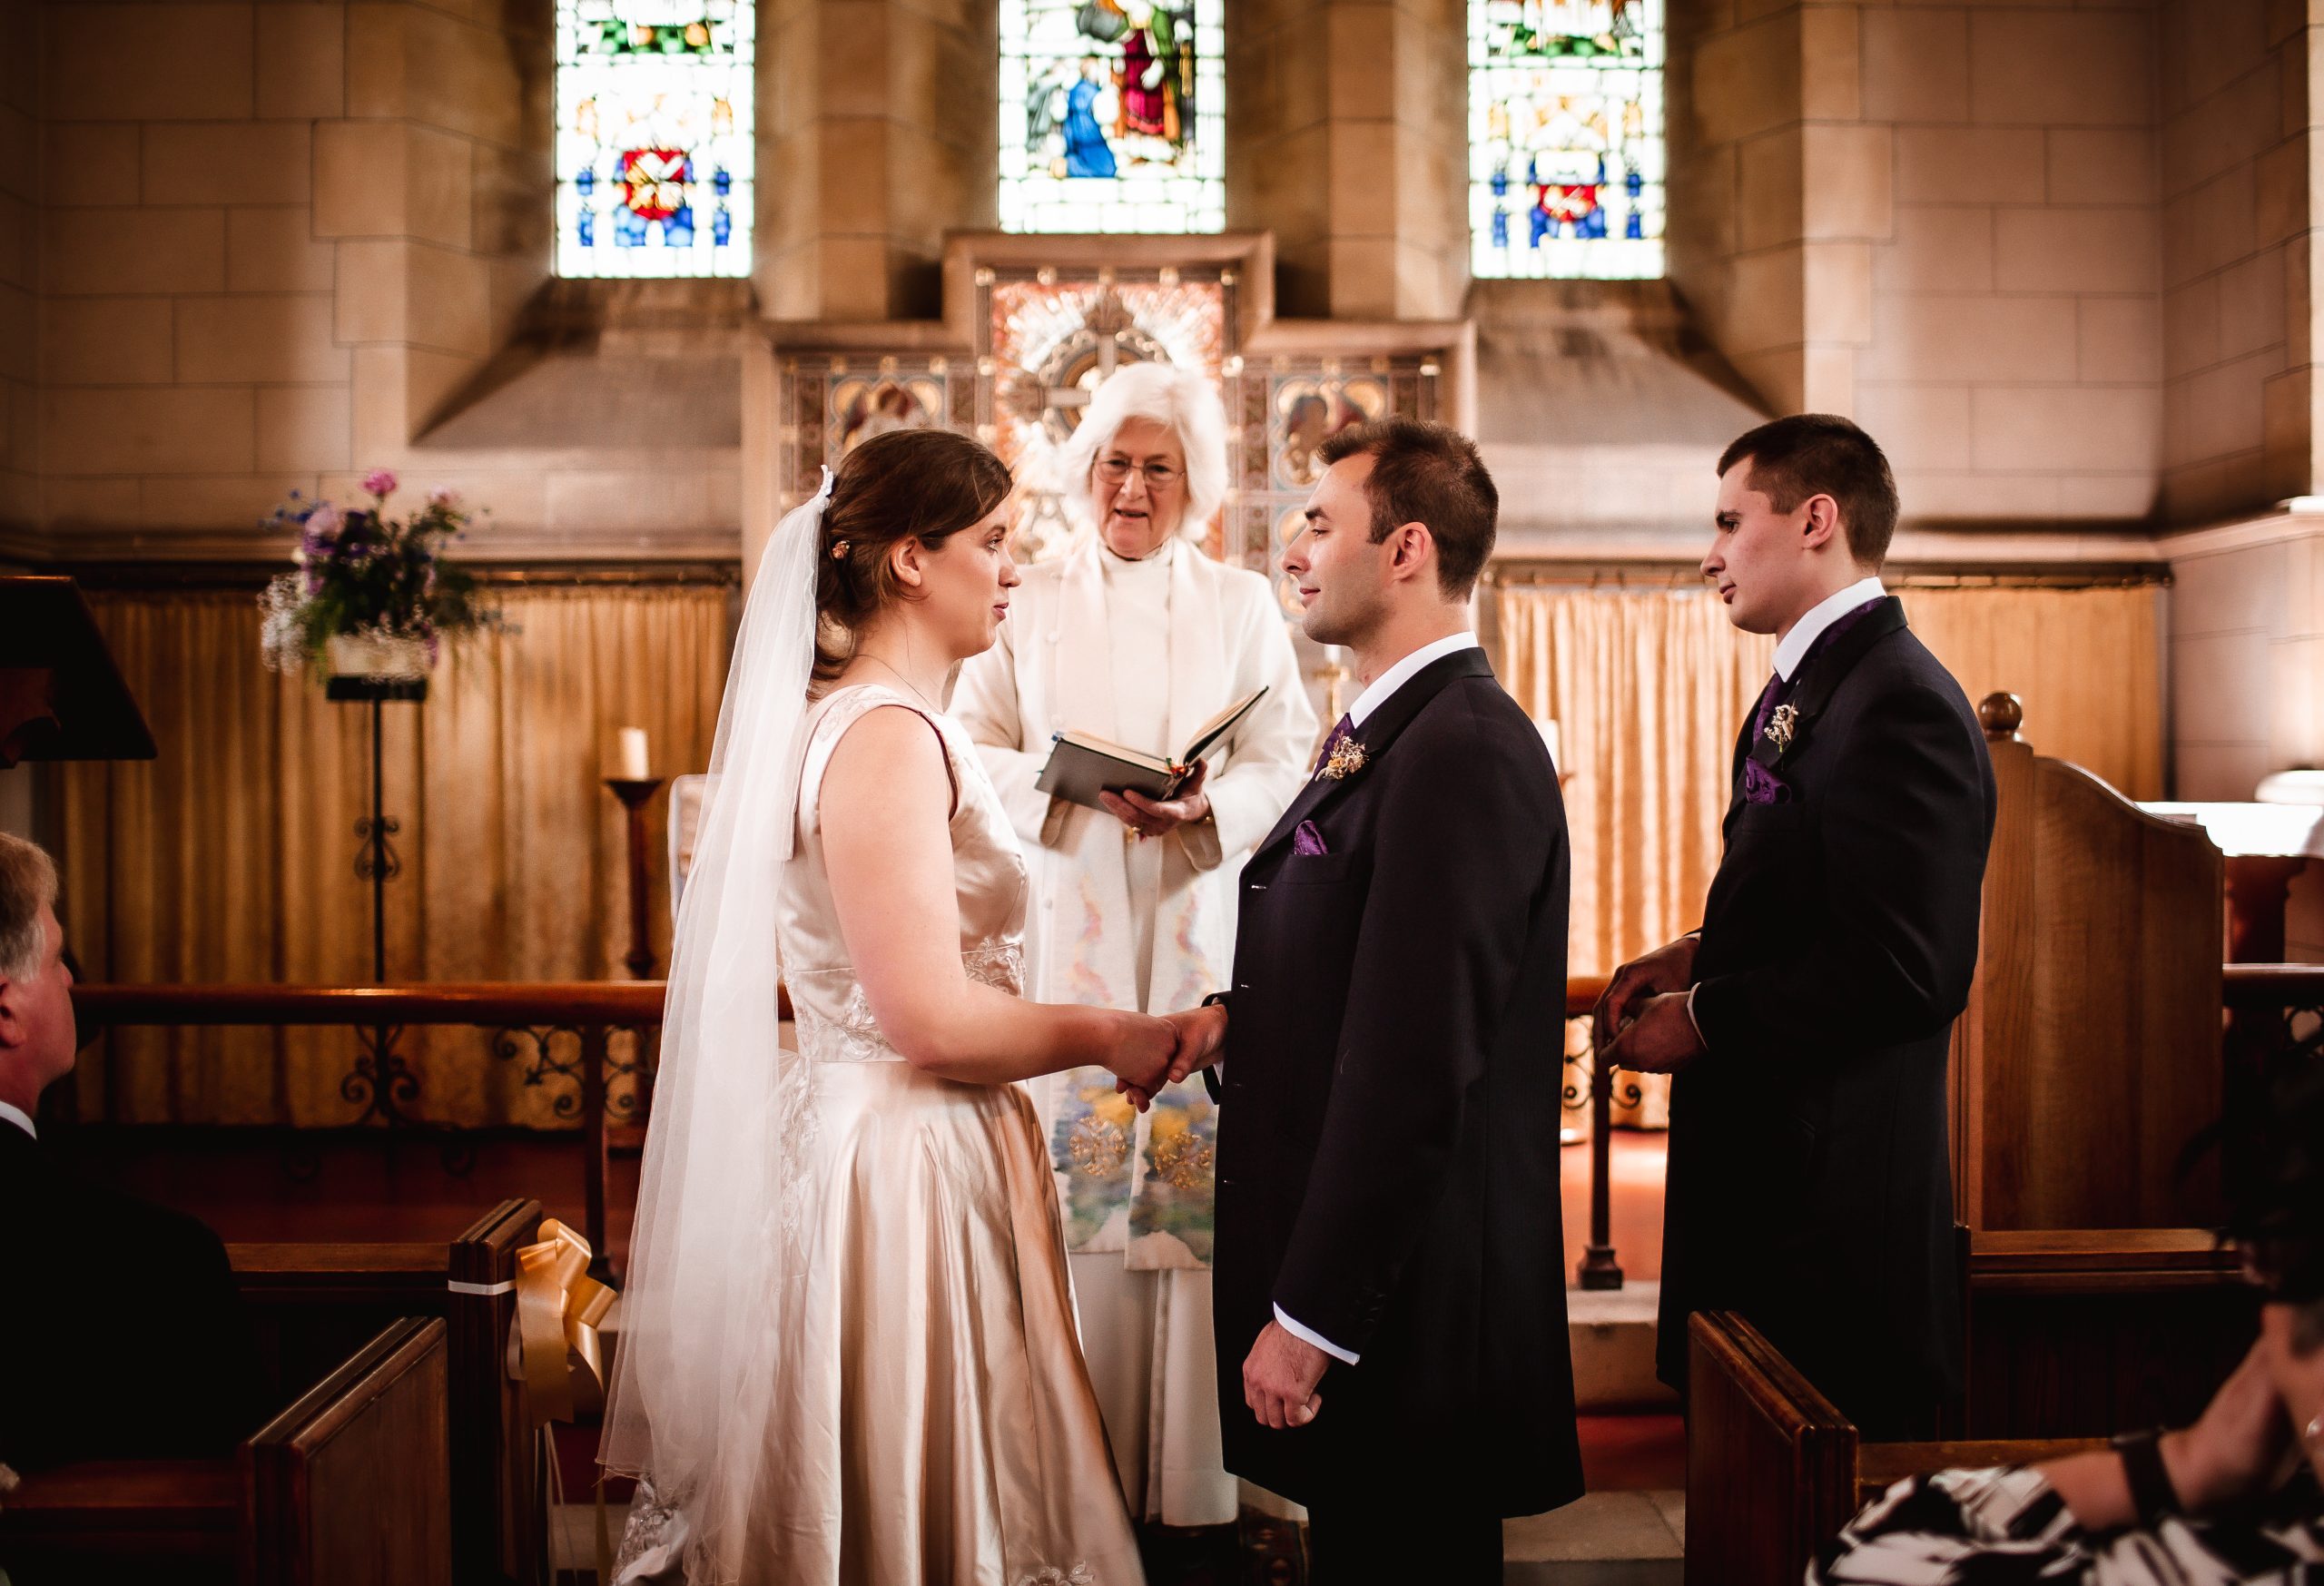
36, 1028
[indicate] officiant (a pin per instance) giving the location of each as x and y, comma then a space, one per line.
1138, 637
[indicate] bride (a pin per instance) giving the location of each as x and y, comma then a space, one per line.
847, 1351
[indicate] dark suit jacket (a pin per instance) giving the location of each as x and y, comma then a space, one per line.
1810, 1184
122, 1333
1388, 1126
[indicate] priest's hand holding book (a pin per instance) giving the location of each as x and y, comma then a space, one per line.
1151, 794
1151, 817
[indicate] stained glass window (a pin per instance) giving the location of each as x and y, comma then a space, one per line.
653, 137
1565, 138
1113, 116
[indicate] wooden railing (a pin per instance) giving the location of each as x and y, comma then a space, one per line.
581, 1015
562, 1031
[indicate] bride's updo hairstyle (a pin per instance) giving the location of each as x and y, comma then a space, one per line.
917, 484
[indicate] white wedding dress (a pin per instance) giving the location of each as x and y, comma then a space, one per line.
930, 1418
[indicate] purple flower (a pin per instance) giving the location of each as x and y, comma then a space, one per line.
380, 482
324, 521
445, 496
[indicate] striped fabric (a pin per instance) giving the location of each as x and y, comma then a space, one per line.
2006, 1527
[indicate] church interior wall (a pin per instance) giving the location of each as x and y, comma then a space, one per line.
2055, 256
2237, 171
1925, 217
877, 140
1348, 129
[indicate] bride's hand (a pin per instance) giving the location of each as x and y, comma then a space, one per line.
1141, 1054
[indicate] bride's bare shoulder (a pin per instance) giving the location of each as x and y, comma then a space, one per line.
890, 755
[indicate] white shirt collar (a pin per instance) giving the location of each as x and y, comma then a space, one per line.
1793, 647
1396, 677
17, 1116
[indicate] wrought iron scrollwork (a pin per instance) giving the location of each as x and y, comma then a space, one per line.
510, 1042
380, 1083
630, 1102
378, 860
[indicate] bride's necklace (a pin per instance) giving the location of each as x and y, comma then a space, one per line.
899, 678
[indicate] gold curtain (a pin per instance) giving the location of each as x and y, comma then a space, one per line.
232, 857
2088, 663
1649, 690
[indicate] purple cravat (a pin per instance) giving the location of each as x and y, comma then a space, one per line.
1341, 731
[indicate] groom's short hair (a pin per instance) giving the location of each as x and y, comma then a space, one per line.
1822, 454
1428, 474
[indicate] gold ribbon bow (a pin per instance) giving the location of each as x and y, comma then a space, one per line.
558, 1307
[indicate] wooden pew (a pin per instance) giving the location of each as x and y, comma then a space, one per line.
2089, 1053
1773, 1470
349, 1486
2084, 1332
313, 1302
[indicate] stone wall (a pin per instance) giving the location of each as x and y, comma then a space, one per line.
275, 245
1942, 221
2237, 255
877, 120
1347, 137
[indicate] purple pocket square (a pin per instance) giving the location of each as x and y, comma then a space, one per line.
1762, 786
1306, 839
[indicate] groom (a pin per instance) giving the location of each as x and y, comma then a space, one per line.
1809, 1020
1390, 1275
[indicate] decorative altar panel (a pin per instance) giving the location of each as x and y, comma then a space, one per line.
1034, 325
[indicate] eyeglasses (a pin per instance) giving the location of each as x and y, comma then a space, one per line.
1116, 470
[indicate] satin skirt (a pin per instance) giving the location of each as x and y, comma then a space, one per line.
938, 1424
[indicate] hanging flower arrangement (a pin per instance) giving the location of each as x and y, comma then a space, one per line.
371, 596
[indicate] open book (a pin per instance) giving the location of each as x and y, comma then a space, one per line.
1081, 766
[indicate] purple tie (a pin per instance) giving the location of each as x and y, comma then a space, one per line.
1768, 697
1341, 732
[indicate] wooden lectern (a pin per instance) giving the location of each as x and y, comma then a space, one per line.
61, 696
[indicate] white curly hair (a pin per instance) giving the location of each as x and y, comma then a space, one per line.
1176, 398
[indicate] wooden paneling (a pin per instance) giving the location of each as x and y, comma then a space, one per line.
2089, 1055
2082, 1333
350, 1486
1770, 1461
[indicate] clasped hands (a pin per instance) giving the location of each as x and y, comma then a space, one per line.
1282, 1369
1642, 1023
1162, 1052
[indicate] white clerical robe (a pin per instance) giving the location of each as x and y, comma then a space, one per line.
1142, 654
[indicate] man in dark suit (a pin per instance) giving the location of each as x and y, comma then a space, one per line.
1809, 1020
1389, 1270
122, 1334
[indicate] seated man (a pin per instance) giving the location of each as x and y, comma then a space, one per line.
122, 1334
2234, 1497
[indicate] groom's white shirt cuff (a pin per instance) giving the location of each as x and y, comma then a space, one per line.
1311, 1336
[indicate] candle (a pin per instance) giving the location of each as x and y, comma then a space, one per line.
1549, 741
633, 755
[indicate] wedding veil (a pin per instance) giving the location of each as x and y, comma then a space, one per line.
718, 1201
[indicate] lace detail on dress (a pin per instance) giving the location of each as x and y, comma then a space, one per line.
1051, 1575
854, 1036
653, 1542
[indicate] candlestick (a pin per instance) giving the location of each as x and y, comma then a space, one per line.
634, 791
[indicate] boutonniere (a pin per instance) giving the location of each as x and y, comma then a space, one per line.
1347, 759
1782, 725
